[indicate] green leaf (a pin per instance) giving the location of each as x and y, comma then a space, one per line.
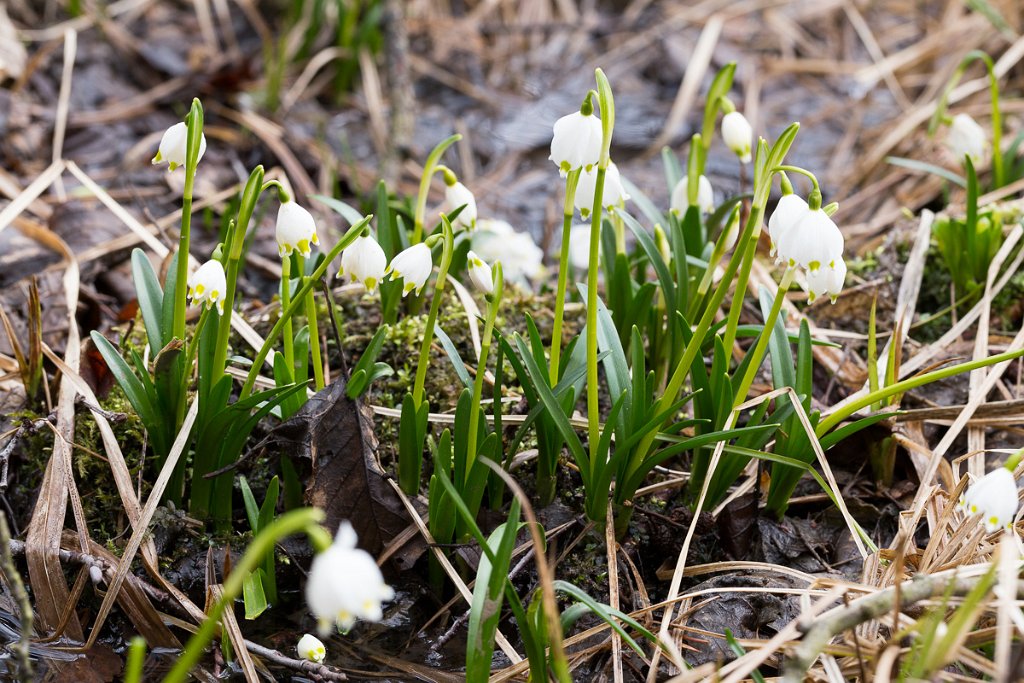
925, 167
251, 510
151, 298
453, 356
346, 211
252, 594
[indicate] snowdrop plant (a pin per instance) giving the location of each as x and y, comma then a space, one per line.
414, 266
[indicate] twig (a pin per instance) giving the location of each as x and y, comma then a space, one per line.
21, 649
321, 671
834, 622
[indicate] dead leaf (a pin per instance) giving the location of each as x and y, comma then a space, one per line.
335, 434
12, 53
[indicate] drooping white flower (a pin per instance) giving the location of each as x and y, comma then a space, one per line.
994, 497
208, 285
364, 261
576, 142
738, 135
612, 195
479, 273
455, 195
814, 241
174, 146
345, 584
296, 229
826, 280
705, 195
967, 138
521, 259
788, 213
310, 648
413, 265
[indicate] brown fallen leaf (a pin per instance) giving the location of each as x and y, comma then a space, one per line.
335, 434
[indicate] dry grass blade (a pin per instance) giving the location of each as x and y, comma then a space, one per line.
118, 466
230, 624
139, 533
46, 574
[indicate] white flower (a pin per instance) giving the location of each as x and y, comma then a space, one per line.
364, 261
994, 497
738, 135
521, 258
479, 273
174, 146
296, 229
208, 285
612, 195
813, 242
967, 138
705, 195
827, 280
455, 196
413, 265
576, 142
345, 584
310, 648
788, 213
579, 246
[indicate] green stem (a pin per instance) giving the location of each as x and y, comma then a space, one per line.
348, 238
303, 519
195, 132
481, 370
568, 211
136, 659
593, 390
314, 340
435, 304
835, 418
287, 337
254, 187
429, 168
762, 341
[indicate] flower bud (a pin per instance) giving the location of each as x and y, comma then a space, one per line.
296, 230
364, 261
479, 273
612, 195
311, 649
345, 584
413, 265
705, 195
994, 497
174, 146
576, 142
208, 285
967, 138
456, 195
738, 135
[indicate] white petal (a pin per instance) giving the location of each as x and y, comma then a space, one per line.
705, 195
576, 142
788, 212
813, 242
295, 230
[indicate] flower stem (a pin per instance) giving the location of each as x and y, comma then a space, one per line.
447, 246
481, 370
348, 238
314, 340
195, 132
287, 335
568, 211
762, 341
290, 523
593, 393
421, 197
